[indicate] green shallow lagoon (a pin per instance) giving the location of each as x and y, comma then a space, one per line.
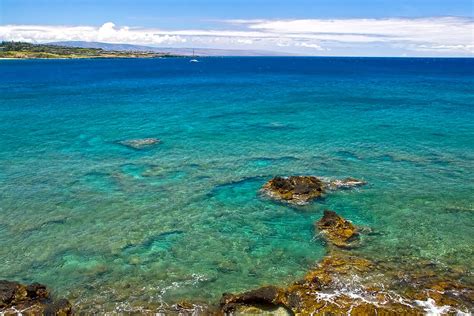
109, 226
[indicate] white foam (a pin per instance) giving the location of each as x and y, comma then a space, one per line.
431, 308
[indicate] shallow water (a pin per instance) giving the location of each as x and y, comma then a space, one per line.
107, 225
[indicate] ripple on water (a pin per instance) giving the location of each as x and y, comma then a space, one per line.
101, 182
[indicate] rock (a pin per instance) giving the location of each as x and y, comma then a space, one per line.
346, 183
7, 292
301, 190
266, 297
297, 190
261, 311
59, 308
340, 232
34, 297
140, 143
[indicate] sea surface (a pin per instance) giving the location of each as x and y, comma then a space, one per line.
111, 227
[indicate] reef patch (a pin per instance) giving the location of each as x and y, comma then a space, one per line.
139, 143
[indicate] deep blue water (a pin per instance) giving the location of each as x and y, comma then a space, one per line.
108, 225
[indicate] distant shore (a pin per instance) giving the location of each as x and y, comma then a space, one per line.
19, 50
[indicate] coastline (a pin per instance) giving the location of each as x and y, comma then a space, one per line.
92, 57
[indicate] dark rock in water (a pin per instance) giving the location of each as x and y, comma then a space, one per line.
301, 190
267, 297
140, 143
295, 189
14, 293
34, 297
338, 231
346, 183
61, 308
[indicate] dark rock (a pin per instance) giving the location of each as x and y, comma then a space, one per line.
34, 297
337, 230
60, 308
265, 296
300, 190
7, 292
295, 189
36, 291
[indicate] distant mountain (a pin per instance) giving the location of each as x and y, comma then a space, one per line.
168, 50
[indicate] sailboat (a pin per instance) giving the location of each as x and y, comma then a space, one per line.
193, 60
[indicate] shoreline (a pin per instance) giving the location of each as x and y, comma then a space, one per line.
88, 58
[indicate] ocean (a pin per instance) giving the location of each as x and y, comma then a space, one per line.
115, 228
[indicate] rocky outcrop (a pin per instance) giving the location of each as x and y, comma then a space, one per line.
337, 230
140, 143
345, 284
33, 299
300, 190
295, 189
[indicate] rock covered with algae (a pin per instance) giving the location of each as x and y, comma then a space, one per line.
345, 284
300, 190
32, 299
294, 189
337, 230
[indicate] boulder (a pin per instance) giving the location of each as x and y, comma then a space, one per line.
267, 297
297, 190
300, 190
337, 230
34, 297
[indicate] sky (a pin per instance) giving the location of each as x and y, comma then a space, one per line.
304, 27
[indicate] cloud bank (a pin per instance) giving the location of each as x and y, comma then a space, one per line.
439, 36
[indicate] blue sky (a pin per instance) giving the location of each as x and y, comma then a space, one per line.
309, 27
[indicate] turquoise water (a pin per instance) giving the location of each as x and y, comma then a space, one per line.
108, 226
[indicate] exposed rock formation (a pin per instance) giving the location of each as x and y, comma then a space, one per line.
295, 189
264, 298
343, 284
338, 231
33, 299
300, 190
140, 143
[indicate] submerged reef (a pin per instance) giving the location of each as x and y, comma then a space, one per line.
32, 299
344, 283
140, 143
300, 190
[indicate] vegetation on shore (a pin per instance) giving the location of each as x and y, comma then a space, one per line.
21, 50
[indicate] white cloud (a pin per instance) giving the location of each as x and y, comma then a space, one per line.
309, 45
108, 33
443, 36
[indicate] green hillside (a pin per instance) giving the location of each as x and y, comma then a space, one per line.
27, 50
